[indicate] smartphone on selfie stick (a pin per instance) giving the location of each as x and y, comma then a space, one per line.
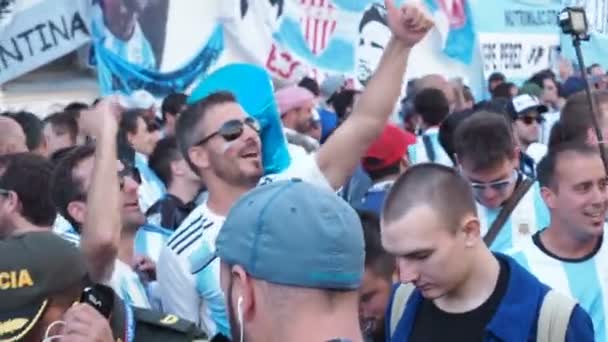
573, 21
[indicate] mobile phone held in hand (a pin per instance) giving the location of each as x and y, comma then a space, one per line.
100, 297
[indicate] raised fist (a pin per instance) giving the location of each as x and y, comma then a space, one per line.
410, 23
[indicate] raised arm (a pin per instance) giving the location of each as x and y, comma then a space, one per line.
340, 155
102, 227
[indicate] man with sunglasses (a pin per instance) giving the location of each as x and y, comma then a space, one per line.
133, 131
527, 112
97, 194
489, 158
222, 144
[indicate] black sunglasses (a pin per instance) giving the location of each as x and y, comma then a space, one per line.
128, 171
4, 192
528, 120
232, 130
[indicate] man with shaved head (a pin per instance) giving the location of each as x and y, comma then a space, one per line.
462, 292
12, 138
433, 107
434, 98
438, 82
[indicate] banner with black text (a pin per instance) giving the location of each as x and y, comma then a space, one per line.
517, 38
34, 36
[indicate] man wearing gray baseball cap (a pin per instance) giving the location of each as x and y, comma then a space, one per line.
292, 259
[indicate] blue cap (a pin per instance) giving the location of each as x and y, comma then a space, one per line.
295, 234
572, 86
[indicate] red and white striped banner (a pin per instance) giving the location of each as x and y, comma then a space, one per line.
318, 22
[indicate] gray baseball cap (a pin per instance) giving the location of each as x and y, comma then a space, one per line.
295, 234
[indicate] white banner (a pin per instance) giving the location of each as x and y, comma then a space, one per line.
517, 56
33, 36
290, 38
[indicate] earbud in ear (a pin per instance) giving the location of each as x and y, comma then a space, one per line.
239, 309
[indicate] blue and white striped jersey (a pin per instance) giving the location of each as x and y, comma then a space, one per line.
124, 280
64, 229
150, 241
61, 225
137, 50
419, 152
152, 188
128, 286
195, 297
529, 216
585, 280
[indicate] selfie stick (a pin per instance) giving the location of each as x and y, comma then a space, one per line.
566, 20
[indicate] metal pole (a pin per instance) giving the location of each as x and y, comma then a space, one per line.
593, 110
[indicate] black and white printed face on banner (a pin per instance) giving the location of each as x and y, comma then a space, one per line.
52, 29
374, 34
275, 5
133, 29
7, 8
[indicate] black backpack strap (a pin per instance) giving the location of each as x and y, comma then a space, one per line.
507, 209
428, 147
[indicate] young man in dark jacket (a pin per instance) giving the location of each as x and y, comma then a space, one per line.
463, 292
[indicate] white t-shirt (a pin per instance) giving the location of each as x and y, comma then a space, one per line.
303, 166
550, 119
537, 151
198, 297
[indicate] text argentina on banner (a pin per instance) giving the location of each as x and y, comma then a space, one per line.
40, 34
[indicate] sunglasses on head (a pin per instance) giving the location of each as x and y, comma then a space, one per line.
232, 130
128, 171
499, 185
528, 120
